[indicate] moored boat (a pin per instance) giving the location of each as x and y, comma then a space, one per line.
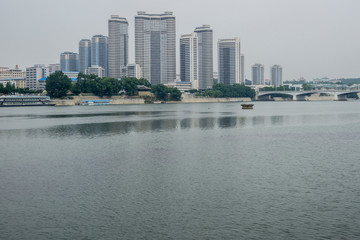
247, 106
25, 101
94, 102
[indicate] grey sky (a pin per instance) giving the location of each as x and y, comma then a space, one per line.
309, 38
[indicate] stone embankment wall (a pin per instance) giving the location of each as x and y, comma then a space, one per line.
186, 98
113, 100
317, 97
191, 98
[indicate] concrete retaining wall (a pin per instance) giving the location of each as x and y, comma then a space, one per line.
186, 98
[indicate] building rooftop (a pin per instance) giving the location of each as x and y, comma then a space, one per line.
117, 18
8, 79
144, 14
203, 28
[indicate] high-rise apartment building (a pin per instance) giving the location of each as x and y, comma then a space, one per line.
229, 61
155, 46
118, 45
69, 62
242, 68
258, 74
205, 56
34, 74
276, 75
84, 54
99, 52
189, 67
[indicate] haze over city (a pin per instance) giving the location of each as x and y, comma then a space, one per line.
310, 39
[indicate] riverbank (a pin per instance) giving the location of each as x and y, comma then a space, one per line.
186, 98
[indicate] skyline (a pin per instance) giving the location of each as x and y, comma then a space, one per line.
309, 39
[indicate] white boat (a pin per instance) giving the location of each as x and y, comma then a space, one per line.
25, 101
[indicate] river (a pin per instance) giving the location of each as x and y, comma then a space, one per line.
284, 170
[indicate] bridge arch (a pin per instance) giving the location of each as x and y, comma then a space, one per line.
270, 95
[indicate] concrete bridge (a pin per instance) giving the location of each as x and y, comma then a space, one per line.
301, 95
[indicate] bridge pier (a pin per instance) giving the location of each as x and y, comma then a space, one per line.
299, 97
265, 98
340, 97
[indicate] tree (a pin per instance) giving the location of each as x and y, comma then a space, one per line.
307, 87
2, 89
160, 91
10, 88
353, 95
175, 94
57, 84
86, 83
192, 91
129, 84
236, 90
164, 93
111, 86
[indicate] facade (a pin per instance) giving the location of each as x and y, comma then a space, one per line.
181, 85
229, 61
41, 84
123, 71
97, 70
189, 62
99, 52
242, 60
71, 75
34, 74
205, 56
118, 45
155, 46
84, 54
69, 61
54, 67
6, 73
276, 75
134, 70
18, 82
258, 74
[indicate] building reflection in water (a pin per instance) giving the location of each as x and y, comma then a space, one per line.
227, 122
148, 125
277, 120
258, 120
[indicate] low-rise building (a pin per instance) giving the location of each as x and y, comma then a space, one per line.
18, 82
54, 67
143, 91
182, 86
34, 74
71, 75
96, 70
134, 70
6, 73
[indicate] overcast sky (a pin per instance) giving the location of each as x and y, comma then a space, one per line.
309, 38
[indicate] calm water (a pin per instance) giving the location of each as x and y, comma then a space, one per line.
285, 170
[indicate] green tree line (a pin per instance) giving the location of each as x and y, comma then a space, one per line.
11, 89
58, 84
220, 90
